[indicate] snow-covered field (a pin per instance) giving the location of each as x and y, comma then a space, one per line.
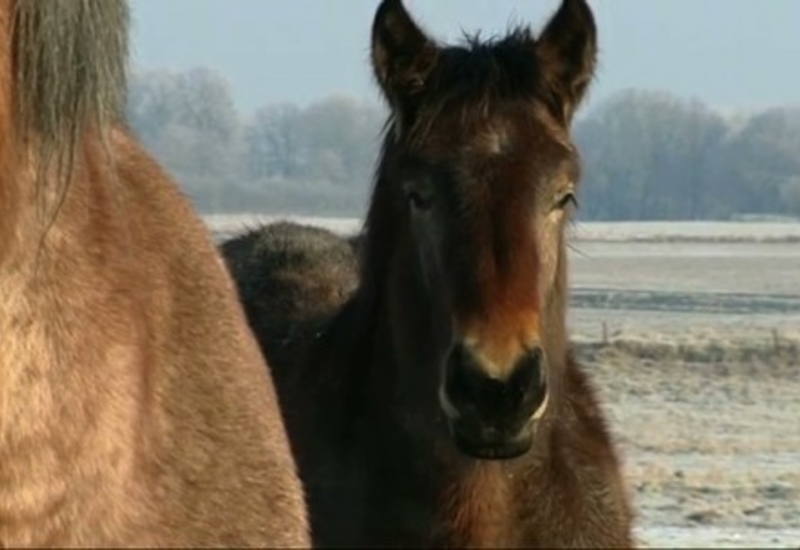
691, 332
689, 231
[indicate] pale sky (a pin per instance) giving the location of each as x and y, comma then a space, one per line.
731, 54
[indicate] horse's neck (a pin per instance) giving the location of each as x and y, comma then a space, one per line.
60, 299
50, 207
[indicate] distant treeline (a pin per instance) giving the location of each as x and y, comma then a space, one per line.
646, 155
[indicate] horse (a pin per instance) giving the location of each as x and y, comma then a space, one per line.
291, 278
441, 404
136, 408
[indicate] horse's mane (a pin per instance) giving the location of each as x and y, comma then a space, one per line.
69, 73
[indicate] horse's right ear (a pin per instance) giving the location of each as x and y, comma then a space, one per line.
403, 57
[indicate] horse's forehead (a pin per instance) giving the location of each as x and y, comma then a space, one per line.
513, 134
512, 170
504, 146
516, 145
485, 135
493, 139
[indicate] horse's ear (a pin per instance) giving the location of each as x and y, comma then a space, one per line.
402, 55
567, 52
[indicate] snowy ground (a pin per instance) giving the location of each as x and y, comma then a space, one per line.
691, 332
695, 345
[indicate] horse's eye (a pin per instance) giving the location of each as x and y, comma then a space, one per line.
565, 200
419, 201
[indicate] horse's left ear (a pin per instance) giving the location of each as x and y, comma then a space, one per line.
567, 52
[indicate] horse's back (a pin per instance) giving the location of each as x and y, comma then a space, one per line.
218, 446
291, 278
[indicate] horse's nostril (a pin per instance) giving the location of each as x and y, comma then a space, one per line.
528, 370
464, 374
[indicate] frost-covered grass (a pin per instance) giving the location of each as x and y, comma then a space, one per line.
721, 350
707, 427
719, 537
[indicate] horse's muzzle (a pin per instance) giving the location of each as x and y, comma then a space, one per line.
493, 418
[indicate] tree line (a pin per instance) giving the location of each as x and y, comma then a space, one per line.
646, 155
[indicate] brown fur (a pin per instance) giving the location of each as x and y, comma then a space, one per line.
291, 278
135, 406
464, 244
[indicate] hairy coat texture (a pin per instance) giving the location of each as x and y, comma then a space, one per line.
135, 406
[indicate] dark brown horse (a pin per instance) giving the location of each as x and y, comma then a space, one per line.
291, 279
441, 405
135, 405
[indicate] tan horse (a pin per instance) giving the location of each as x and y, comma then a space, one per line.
441, 405
135, 405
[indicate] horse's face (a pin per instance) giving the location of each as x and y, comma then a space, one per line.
484, 180
486, 221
